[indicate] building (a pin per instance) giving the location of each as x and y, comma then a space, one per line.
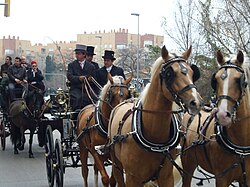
64, 51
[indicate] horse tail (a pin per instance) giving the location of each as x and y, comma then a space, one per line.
15, 134
176, 173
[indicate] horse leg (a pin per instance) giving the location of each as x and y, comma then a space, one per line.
15, 137
117, 171
112, 180
189, 165
132, 181
100, 166
30, 144
22, 139
96, 175
84, 161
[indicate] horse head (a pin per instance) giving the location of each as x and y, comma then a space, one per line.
229, 84
177, 78
116, 90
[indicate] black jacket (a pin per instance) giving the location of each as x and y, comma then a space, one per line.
75, 71
36, 80
101, 74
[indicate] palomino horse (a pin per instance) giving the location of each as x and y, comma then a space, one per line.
220, 142
22, 117
93, 125
143, 135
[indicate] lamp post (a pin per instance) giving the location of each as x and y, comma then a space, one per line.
138, 45
100, 37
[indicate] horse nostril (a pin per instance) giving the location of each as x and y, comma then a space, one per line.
193, 103
228, 114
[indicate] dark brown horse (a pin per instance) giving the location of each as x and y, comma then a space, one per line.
220, 142
144, 135
93, 125
22, 118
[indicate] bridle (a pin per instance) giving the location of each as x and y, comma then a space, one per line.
242, 85
109, 98
167, 73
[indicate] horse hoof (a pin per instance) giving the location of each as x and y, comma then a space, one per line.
21, 148
31, 156
40, 144
15, 152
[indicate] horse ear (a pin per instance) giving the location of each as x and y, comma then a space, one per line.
220, 57
128, 80
187, 53
240, 57
110, 78
164, 52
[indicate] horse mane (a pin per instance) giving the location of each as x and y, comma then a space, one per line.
246, 67
156, 66
116, 80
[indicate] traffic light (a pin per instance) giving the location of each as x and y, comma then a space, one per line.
7, 8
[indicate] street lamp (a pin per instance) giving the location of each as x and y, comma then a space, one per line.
100, 37
138, 45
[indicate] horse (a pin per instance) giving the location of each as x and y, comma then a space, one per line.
93, 125
143, 133
219, 141
23, 117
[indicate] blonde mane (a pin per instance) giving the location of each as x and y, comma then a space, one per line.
116, 80
246, 68
155, 68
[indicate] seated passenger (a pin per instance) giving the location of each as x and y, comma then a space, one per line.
4, 81
17, 76
36, 85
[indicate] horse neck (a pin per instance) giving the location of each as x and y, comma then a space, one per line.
105, 111
239, 132
156, 124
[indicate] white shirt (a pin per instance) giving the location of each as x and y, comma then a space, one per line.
109, 69
81, 63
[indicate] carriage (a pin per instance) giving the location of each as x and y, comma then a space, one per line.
64, 151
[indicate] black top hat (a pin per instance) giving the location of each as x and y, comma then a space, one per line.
80, 47
90, 50
109, 55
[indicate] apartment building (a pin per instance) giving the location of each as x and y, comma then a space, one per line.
64, 51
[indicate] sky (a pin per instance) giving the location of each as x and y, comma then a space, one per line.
41, 21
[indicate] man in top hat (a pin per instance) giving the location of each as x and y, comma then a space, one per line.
102, 73
89, 56
78, 71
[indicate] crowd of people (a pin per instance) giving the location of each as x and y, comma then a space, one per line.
22, 77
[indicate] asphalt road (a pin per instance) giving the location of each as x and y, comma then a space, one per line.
22, 171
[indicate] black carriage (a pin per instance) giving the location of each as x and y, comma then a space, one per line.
64, 151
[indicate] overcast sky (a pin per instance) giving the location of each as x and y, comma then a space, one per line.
61, 20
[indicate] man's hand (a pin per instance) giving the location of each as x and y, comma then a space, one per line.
81, 78
18, 81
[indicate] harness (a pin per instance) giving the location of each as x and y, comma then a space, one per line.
137, 127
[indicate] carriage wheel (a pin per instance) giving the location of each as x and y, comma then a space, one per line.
3, 135
49, 154
59, 163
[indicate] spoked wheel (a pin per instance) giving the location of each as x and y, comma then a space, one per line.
59, 163
3, 135
49, 154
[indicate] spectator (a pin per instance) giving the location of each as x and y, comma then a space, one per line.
78, 71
